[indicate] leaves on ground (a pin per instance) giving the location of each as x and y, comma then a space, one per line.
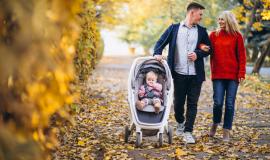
103, 112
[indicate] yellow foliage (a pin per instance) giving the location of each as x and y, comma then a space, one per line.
266, 15
89, 42
266, 3
245, 14
37, 48
257, 26
238, 12
266, 12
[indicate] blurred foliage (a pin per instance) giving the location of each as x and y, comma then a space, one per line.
37, 40
109, 12
88, 43
90, 47
252, 14
144, 22
254, 20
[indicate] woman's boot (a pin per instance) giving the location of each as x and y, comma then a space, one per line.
213, 129
226, 135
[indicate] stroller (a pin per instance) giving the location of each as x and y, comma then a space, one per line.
147, 122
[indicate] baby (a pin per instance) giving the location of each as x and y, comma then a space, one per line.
150, 93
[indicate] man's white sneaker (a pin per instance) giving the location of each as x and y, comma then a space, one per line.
180, 129
188, 138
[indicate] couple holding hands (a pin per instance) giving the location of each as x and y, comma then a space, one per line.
189, 43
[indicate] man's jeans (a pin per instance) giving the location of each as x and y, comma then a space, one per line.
220, 88
186, 86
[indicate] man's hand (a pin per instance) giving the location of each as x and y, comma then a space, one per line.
192, 56
159, 57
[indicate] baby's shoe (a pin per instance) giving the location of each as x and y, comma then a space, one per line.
140, 105
157, 107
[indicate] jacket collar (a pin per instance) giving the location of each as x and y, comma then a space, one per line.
183, 24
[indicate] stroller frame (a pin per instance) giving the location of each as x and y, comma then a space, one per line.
135, 123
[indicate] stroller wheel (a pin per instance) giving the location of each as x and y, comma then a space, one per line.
127, 134
138, 139
170, 135
160, 139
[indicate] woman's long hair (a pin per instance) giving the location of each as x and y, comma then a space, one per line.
231, 25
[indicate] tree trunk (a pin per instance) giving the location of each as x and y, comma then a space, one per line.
261, 59
255, 53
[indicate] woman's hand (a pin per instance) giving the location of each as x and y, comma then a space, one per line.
240, 80
204, 47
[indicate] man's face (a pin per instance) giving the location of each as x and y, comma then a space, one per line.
196, 15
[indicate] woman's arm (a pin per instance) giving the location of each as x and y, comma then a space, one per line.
241, 53
205, 40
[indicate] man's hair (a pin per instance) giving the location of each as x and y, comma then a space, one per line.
194, 5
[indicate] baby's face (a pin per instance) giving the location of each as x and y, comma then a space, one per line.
151, 80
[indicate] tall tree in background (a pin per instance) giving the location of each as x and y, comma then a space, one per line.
254, 18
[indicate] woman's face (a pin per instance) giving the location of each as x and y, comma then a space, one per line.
221, 23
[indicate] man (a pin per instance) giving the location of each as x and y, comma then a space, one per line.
187, 66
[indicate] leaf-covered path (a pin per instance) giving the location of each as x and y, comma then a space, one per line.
102, 113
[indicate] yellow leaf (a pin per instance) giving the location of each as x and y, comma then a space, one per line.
99, 121
35, 136
180, 152
130, 147
81, 143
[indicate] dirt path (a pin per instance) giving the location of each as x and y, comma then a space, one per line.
103, 112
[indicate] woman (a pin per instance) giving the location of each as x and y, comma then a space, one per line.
228, 68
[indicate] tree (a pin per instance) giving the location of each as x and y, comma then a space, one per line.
254, 16
37, 45
89, 42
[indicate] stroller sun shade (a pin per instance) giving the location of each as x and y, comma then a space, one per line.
152, 65
156, 67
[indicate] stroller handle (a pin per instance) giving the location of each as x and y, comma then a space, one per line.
146, 58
